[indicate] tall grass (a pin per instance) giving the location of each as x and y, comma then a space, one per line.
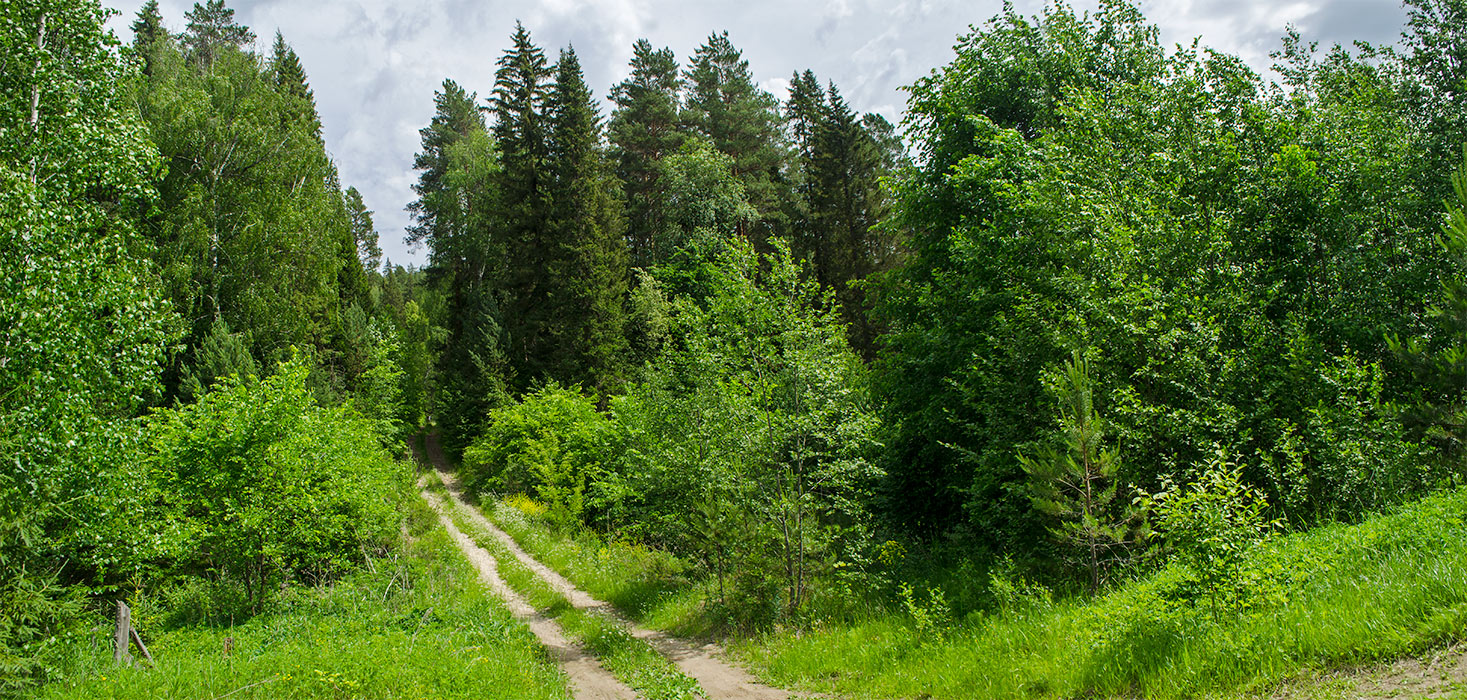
1337, 595
1334, 596
416, 626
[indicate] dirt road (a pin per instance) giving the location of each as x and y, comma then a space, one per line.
589, 681
703, 663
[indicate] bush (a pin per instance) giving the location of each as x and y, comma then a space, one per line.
1212, 525
553, 445
260, 484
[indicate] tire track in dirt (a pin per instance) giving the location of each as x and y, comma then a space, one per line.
720, 679
589, 681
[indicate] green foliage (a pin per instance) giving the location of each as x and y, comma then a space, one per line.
1338, 595
423, 607
1212, 525
1439, 361
753, 421
643, 129
1076, 483
221, 354
839, 201
261, 485
553, 444
725, 105
211, 29
251, 226
1080, 186
585, 281
83, 327
379, 387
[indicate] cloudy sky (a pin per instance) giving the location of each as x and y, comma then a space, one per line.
374, 64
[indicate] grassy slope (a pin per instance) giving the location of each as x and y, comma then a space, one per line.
419, 626
1337, 595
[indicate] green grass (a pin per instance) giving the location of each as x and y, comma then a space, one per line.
419, 625
1335, 596
647, 585
630, 660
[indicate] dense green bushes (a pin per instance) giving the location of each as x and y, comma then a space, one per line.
1230, 256
259, 484
553, 445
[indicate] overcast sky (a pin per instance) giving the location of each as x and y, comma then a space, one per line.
375, 64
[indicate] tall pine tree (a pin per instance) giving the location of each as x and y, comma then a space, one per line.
644, 128
725, 105
211, 29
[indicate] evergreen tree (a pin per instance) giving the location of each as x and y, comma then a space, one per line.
524, 189
643, 130
147, 30
456, 219
1075, 481
455, 118
725, 105
805, 112
846, 204
369, 251
211, 28
290, 80
251, 227
586, 279
838, 201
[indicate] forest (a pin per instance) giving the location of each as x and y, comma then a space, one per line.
1114, 369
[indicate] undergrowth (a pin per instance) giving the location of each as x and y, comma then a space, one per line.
1334, 596
418, 624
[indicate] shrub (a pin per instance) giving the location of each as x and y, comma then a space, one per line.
553, 446
1212, 524
260, 483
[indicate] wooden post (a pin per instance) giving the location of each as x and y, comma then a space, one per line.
139, 641
120, 639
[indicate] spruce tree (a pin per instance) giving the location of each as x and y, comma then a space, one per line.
290, 81
838, 200
725, 105
586, 280
520, 131
804, 113
644, 129
211, 27
147, 31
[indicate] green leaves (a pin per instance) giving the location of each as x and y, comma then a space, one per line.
260, 483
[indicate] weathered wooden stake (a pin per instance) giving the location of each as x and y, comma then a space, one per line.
120, 639
139, 641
